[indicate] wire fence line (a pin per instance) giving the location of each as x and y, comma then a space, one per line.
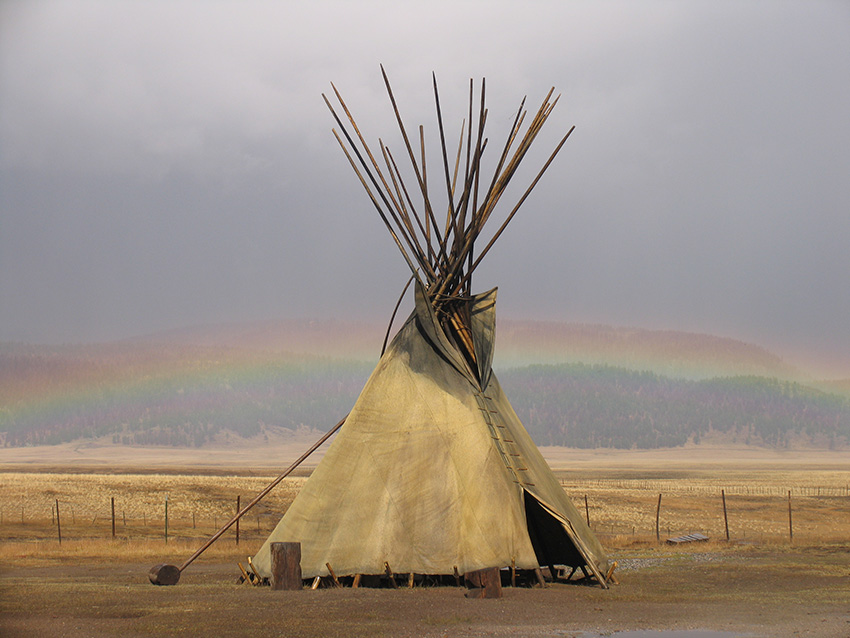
82, 519
636, 508
672, 486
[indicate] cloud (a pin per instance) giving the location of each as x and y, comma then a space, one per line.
169, 163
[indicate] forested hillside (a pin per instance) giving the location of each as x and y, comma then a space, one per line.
191, 393
189, 398
602, 406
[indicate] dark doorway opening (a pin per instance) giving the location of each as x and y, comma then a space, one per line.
552, 545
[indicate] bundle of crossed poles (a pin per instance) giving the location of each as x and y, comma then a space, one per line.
440, 247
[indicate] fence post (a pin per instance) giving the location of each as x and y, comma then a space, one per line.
238, 509
790, 524
113, 516
657, 519
166, 518
58, 524
725, 518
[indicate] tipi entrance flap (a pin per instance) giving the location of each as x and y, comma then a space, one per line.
545, 524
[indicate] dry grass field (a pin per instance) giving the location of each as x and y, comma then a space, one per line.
762, 582
621, 505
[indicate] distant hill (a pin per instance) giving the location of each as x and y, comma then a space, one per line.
518, 343
633, 388
315, 338
166, 395
590, 406
667, 352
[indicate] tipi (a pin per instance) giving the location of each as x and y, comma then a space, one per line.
432, 472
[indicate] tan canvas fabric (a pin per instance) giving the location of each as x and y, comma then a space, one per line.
428, 472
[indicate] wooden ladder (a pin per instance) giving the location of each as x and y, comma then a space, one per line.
506, 446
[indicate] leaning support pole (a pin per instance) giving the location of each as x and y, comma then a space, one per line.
164, 574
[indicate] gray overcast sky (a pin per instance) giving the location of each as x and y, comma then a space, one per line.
165, 164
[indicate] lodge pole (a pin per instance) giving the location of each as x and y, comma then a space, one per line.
169, 574
586, 510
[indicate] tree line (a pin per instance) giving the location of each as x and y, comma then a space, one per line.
589, 406
576, 405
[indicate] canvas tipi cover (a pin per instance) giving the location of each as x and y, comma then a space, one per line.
433, 471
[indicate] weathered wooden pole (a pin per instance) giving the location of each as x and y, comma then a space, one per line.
113, 517
58, 524
586, 510
657, 519
725, 518
237, 520
790, 524
166, 518
164, 574
286, 566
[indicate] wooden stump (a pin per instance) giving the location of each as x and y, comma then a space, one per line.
484, 583
286, 566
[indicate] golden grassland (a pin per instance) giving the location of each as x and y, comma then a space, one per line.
762, 583
621, 503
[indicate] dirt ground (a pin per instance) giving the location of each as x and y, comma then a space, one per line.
747, 590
